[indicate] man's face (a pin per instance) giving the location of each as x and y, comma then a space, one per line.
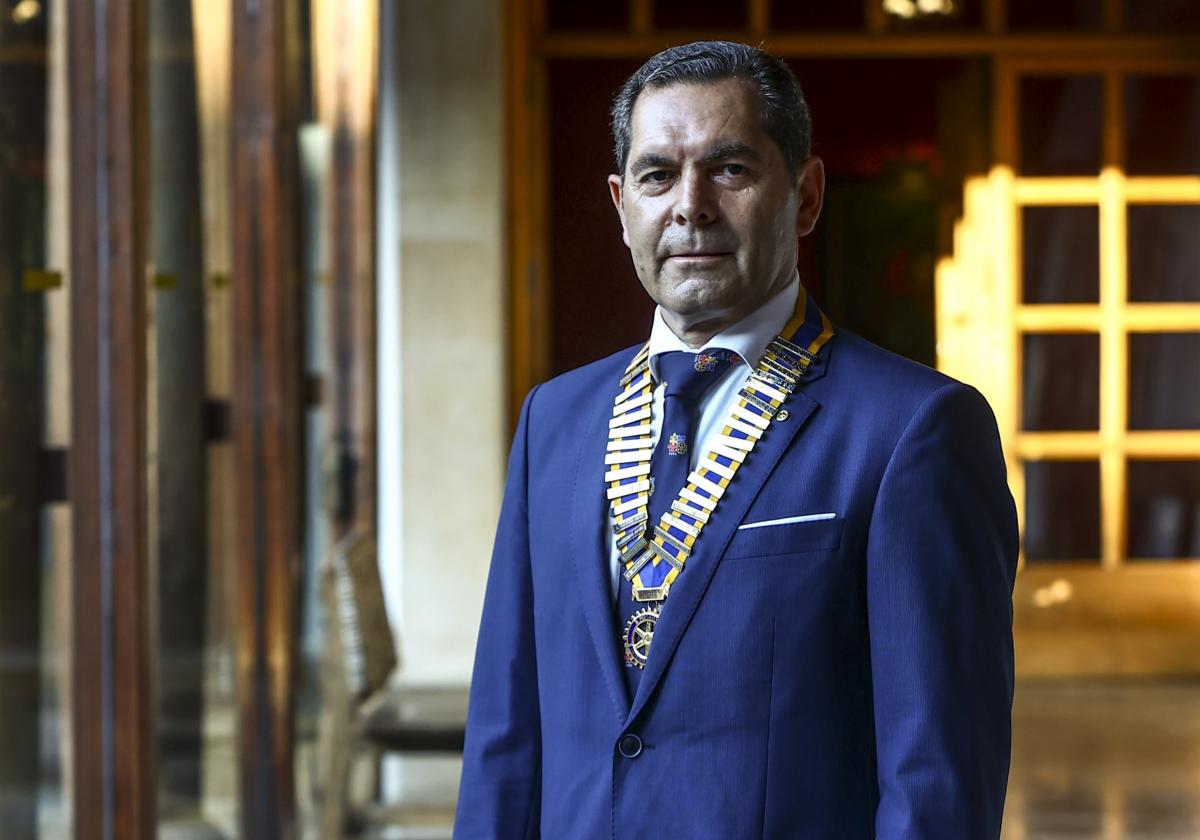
709, 211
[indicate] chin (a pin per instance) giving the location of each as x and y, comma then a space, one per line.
701, 294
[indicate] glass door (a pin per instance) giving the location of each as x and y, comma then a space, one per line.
35, 433
186, 342
190, 479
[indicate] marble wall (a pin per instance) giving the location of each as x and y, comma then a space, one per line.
442, 432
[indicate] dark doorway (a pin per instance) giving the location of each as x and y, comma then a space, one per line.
897, 136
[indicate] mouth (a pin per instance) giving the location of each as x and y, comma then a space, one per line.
700, 256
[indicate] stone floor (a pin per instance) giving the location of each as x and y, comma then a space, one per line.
1105, 760
1091, 761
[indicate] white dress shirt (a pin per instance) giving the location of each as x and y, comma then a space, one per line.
748, 338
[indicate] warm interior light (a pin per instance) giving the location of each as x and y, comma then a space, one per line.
913, 8
900, 8
1058, 592
935, 7
26, 11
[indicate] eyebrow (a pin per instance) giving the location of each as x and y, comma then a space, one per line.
650, 160
731, 150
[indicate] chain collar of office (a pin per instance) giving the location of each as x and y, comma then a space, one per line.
654, 560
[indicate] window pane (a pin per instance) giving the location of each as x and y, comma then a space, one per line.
687, 14
190, 458
1061, 119
1062, 511
1164, 509
1060, 254
1164, 253
568, 14
1060, 386
35, 424
1065, 14
1164, 381
1162, 125
1162, 15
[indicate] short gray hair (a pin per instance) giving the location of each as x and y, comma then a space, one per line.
785, 116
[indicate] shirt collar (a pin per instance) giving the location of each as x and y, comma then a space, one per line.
748, 337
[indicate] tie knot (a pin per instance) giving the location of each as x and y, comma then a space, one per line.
689, 375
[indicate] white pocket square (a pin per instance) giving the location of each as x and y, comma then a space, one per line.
788, 520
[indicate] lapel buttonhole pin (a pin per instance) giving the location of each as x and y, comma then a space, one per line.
782, 415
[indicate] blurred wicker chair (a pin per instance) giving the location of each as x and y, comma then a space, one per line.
360, 710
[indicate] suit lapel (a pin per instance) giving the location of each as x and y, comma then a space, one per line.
691, 585
589, 518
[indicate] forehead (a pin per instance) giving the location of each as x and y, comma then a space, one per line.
697, 114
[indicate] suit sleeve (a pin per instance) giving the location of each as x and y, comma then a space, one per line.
500, 791
941, 560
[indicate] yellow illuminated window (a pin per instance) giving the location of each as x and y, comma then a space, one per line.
1072, 300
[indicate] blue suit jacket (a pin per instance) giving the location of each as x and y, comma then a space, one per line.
840, 679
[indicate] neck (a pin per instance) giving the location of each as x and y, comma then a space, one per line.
695, 334
695, 331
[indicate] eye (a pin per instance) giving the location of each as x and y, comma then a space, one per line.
657, 176
734, 169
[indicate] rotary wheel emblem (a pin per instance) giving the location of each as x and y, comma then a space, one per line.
639, 632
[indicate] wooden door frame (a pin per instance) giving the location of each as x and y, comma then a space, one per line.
111, 650
527, 260
346, 72
267, 410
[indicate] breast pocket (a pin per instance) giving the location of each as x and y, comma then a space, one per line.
800, 537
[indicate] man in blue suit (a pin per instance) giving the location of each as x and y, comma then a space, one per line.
754, 578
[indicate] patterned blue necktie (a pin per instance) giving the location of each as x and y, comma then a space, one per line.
687, 377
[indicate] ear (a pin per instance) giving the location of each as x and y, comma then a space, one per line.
614, 187
810, 186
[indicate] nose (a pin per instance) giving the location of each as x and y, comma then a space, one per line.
696, 204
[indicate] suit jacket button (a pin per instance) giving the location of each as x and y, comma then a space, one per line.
630, 745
